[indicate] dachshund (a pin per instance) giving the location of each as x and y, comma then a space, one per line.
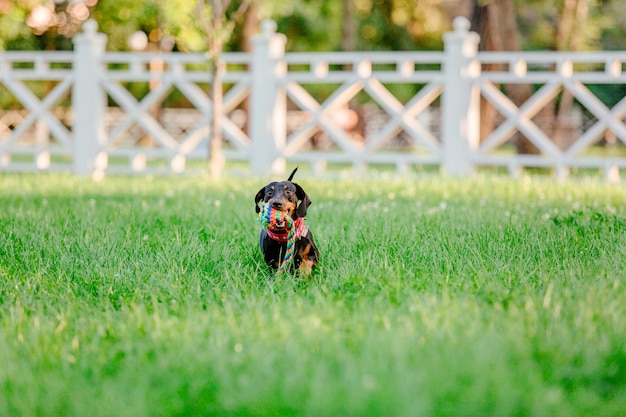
289, 197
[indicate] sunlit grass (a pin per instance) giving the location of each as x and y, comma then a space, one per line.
148, 297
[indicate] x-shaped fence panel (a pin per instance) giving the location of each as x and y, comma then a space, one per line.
519, 118
188, 80
552, 77
395, 132
607, 118
32, 135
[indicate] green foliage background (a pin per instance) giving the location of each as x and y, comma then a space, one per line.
316, 24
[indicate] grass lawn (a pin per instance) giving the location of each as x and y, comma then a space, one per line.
435, 297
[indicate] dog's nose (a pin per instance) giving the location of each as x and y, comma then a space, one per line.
277, 204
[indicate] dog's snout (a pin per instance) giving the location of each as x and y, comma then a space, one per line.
277, 204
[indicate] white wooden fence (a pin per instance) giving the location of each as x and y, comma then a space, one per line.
91, 111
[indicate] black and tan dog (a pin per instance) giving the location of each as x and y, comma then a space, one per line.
289, 197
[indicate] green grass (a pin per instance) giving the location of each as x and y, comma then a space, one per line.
434, 297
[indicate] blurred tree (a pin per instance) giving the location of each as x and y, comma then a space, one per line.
14, 34
41, 24
495, 22
208, 24
572, 25
569, 25
612, 35
569, 37
350, 26
308, 24
330, 25
120, 19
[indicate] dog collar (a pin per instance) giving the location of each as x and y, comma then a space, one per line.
301, 230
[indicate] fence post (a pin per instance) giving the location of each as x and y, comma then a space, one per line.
460, 99
268, 103
88, 98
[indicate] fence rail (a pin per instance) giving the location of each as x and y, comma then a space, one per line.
91, 111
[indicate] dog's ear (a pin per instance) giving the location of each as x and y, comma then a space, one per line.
305, 201
259, 197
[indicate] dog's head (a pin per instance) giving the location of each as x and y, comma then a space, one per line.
285, 196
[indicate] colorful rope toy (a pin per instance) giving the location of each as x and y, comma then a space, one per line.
268, 217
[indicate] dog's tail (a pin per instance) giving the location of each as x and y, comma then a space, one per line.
292, 174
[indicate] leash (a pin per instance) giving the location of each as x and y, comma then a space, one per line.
269, 216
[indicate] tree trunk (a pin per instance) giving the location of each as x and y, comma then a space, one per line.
218, 28
250, 28
574, 14
216, 48
350, 26
250, 25
216, 157
488, 42
495, 23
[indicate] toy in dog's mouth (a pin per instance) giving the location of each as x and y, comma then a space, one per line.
274, 219
280, 225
